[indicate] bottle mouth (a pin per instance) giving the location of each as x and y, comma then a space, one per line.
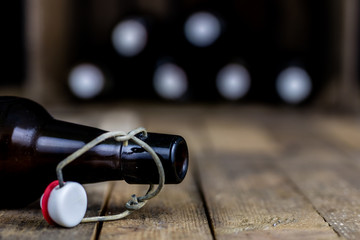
138, 167
180, 156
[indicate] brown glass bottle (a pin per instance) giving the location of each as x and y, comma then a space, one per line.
32, 143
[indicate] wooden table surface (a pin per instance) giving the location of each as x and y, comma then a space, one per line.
255, 173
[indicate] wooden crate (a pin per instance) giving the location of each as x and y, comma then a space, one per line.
48, 31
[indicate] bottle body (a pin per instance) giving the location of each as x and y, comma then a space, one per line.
32, 143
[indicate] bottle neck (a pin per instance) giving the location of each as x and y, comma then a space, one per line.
110, 160
32, 143
59, 139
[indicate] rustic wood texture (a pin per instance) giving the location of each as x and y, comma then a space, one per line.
177, 213
249, 196
255, 173
324, 173
28, 223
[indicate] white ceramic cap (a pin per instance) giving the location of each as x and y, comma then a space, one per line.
67, 205
86, 81
170, 81
129, 37
293, 85
202, 29
233, 81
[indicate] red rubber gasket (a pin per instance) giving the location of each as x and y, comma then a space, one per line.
45, 199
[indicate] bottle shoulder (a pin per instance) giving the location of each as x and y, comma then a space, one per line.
23, 113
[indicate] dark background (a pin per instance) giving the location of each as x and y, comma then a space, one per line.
43, 42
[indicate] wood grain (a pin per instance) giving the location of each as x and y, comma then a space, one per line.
327, 177
237, 135
28, 223
331, 185
177, 213
250, 198
340, 130
246, 195
254, 174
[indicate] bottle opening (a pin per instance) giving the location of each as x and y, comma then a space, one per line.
138, 166
181, 159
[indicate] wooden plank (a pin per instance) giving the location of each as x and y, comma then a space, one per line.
250, 198
247, 196
178, 212
323, 173
332, 186
28, 223
228, 134
340, 130
342, 133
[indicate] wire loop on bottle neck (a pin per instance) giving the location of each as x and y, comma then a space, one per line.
135, 203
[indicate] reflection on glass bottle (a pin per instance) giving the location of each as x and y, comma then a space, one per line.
293, 85
233, 81
86, 81
170, 81
129, 37
202, 29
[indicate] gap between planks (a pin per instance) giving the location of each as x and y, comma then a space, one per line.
319, 159
212, 133
234, 131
